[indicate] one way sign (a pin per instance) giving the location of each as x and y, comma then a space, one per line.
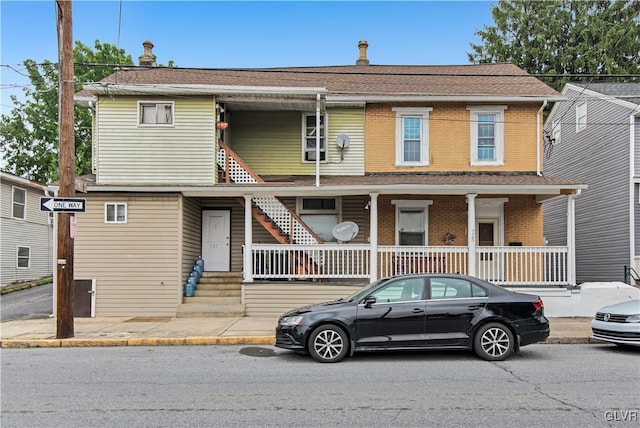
63, 205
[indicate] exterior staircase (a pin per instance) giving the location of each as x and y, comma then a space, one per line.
218, 294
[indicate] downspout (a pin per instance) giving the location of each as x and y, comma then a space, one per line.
632, 191
571, 238
317, 140
539, 136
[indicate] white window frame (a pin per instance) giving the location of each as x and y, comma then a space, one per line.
306, 213
115, 211
416, 205
143, 103
14, 203
581, 116
323, 140
18, 247
423, 114
498, 111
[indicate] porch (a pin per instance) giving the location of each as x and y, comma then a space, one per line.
502, 265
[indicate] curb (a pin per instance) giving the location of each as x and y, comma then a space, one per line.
138, 341
201, 341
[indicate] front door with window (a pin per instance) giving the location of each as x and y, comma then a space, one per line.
489, 266
216, 242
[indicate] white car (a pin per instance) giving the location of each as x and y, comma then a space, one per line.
619, 323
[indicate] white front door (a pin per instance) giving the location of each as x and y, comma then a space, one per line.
216, 243
488, 264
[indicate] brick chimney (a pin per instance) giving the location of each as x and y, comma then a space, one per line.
147, 59
362, 60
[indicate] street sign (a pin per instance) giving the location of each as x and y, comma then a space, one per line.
63, 205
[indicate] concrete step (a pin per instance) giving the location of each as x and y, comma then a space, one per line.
212, 280
209, 274
218, 287
212, 300
216, 293
199, 310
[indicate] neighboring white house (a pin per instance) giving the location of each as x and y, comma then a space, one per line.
594, 138
26, 233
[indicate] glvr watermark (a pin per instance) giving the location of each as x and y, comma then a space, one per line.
621, 415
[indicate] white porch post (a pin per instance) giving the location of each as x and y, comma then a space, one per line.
247, 261
471, 227
373, 237
571, 239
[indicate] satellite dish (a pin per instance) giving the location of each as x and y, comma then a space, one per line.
345, 231
343, 141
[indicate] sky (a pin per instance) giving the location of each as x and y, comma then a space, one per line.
214, 34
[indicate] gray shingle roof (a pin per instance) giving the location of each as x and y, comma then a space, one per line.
624, 91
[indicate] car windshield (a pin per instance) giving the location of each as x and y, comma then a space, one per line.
364, 291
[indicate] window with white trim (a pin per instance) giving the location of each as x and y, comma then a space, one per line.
555, 132
320, 214
487, 135
155, 113
23, 257
19, 203
115, 212
581, 116
309, 138
412, 221
412, 135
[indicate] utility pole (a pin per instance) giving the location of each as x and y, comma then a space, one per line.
64, 265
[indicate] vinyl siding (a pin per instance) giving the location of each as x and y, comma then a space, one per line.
636, 146
33, 232
126, 153
271, 142
191, 234
599, 157
136, 265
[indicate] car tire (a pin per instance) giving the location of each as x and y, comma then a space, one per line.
493, 342
328, 344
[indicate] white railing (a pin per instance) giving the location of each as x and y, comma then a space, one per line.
290, 261
508, 266
398, 260
522, 265
270, 205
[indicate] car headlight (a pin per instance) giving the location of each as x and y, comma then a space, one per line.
290, 321
633, 318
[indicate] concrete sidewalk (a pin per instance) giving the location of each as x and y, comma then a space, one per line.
167, 331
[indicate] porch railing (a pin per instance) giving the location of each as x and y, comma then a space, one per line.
508, 266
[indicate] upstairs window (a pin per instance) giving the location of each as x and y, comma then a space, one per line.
309, 138
412, 135
151, 113
487, 135
581, 117
19, 203
115, 212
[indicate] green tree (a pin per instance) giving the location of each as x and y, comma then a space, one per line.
29, 133
563, 37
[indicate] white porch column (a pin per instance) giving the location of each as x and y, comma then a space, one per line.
247, 260
471, 227
373, 236
571, 238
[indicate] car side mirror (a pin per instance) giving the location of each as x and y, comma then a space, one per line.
368, 301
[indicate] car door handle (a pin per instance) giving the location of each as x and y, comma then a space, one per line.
474, 307
417, 310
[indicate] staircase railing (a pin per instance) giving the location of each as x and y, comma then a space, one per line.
237, 171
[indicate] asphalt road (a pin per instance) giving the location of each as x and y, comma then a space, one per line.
234, 386
35, 302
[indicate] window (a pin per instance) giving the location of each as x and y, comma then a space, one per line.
487, 135
19, 203
309, 138
452, 288
320, 214
115, 212
401, 291
411, 222
412, 135
555, 132
23, 257
581, 116
152, 113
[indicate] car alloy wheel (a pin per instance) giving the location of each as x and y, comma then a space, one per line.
493, 342
328, 344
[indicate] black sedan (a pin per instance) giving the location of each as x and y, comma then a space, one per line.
426, 311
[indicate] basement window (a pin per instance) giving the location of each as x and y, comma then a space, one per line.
115, 212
